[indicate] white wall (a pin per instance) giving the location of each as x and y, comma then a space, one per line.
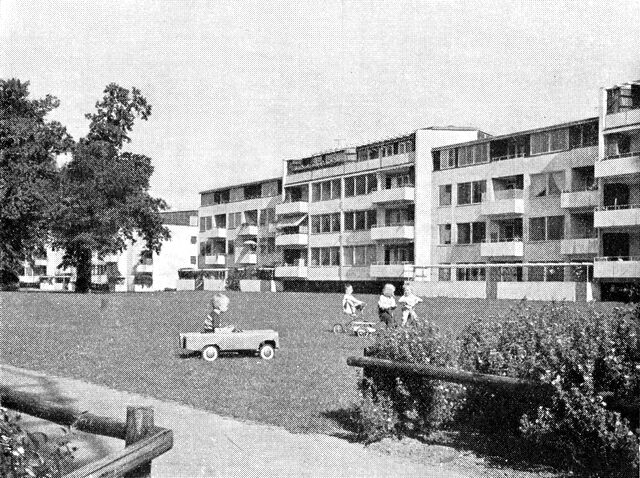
537, 290
175, 254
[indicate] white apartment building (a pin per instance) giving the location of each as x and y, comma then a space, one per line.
133, 270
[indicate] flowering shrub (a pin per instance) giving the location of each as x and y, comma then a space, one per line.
582, 355
24, 454
408, 405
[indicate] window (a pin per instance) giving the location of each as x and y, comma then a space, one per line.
372, 183
349, 224
536, 274
372, 218
315, 192
325, 191
325, 223
444, 275
550, 141
267, 216
358, 185
202, 224
398, 217
538, 185
478, 232
359, 255
478, 190
221, 221
464, 194
325, 256
464, 233
194, 239
537, 229
267, 245
359, 220
192, 259
445, 233
475, 154
555, 228
231, 248
373, 153
349, 187
447, 158
208, 222
445, 195
253, 191
555, 273
471, 274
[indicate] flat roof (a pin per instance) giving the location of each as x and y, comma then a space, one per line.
518, 133
240, 185
626, 83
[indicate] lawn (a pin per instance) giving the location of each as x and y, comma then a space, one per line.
129, 342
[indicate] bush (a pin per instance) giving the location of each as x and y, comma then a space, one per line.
408, 405
582, 356
24, 454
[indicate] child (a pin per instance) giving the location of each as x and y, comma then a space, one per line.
351, 305
408, 301
387, 304
219, 305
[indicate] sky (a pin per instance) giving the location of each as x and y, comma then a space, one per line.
239, 86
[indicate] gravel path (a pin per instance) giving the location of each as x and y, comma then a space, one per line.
207, 445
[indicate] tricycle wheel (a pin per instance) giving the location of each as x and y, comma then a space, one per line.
361, 332
338, 329
267, 352
210, 353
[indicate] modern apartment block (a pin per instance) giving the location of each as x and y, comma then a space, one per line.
549, 213
133, 270
617, 216
237, 226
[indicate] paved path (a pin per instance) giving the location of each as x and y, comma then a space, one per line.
207, 445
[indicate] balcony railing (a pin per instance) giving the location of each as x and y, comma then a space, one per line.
506, 194
617, 258
631, 154
509, 156
393, 224
618, 207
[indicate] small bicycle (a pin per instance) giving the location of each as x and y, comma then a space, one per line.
357, 325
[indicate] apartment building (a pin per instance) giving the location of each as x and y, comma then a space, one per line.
237, 227
617, 216
133, 270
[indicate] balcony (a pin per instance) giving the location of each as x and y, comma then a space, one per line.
216, 233
393, 195
579, 199
100, 279
144, 268
617, 267
291, 272
510, 248
324, 273
215, 260
40, 261
251, 258
619, 165
296, 240
393, 232
623, 119
579, 247
296, 207
248, 229
626, 215
401, 270
507, 202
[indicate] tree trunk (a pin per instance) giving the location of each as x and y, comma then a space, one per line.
83, 271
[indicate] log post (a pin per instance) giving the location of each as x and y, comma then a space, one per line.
139, 425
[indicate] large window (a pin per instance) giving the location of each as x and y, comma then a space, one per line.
471, 193
445, 195
235, 219
546, 228
399, 217
267, 245
325, 190
547, 184
474, 154
448, 158
325, 256
464, 233
478, 232
325, 223
550, 141
471, 274
267, 216
359, 255
359, 220
445, 234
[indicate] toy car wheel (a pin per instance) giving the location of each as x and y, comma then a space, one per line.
338, 329
267, 352
210, 353
361, 332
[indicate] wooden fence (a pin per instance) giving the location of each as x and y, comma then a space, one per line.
143, 440
431, 372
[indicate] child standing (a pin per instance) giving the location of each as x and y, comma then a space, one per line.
219, 305
387, 304
350, 305
409, 300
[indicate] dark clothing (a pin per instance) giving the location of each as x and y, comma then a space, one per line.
213, 321
386, 316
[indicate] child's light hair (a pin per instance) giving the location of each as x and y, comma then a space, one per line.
407, 288
347, 287
219, 301
388, 289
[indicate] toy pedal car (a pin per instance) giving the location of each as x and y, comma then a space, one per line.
264, 342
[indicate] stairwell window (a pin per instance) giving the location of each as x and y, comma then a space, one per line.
445, 195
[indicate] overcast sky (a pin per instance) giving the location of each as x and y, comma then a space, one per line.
238, 86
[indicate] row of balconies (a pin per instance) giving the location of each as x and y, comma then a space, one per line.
221, 259
392, 232
373, 271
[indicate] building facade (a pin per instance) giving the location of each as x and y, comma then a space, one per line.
133, 270
550, 213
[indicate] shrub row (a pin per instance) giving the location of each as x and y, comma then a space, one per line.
584, 356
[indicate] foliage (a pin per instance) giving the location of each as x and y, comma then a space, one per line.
29, 145
104, 192
27, 454
582, 356
409, 405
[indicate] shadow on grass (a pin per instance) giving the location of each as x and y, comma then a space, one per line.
348, 421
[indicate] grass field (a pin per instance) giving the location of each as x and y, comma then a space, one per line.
129, 342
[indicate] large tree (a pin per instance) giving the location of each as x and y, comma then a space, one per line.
104, 191
29, 145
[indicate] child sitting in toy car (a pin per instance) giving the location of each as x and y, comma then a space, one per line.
213, 322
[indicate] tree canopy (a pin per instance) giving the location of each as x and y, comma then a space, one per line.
29, 145
104, 200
